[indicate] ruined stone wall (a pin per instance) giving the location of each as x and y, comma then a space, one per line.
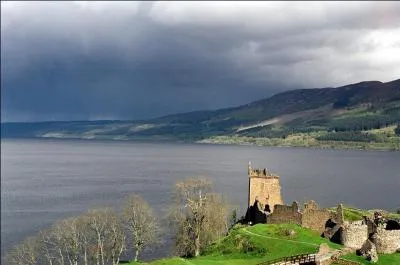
315, 219
285, 214
266, 189
372, 227
338, 217
354, 234
386, 241
346, 262
312, 217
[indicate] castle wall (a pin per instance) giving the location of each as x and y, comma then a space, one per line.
266, 189
386, 241
285, 214
315, 219
354, 234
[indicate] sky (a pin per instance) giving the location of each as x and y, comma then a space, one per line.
77, 60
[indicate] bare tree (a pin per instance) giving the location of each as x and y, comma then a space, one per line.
198, 214
65, 237
72, 239
58, 238
97, 237
141, 223
64, 242
86, 238
25, 253
109, 235
116, 241
216, 219
98, 220
47, 246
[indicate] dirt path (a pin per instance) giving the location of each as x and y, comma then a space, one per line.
282, 239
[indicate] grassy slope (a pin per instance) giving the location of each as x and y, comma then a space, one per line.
354, 214
252, 245
255, 244
384, 259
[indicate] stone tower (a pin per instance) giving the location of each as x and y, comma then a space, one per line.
265, 187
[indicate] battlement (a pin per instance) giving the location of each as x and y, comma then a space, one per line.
260, 173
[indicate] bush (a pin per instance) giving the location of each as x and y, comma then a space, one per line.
286, 232
397, 130
236, 243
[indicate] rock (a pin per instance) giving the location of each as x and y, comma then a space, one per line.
333, 233
365, 248
291, 232
324, 249
368, 251
372, 255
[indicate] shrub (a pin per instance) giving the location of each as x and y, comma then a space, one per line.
397, 130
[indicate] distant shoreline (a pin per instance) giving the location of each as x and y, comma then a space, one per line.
222, 141
316, 145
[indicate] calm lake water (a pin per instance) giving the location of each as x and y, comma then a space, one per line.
46, 180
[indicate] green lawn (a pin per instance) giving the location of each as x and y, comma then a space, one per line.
384, 259
354, 214
252, 245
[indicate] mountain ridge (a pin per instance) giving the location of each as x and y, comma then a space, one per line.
362, 106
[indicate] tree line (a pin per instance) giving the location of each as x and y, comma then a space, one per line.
102, 236
352, 136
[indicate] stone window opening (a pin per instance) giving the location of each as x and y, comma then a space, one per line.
392, 225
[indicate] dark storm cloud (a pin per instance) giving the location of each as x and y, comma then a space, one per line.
132, 60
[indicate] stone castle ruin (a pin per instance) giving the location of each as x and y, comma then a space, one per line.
263, 194
370, 236
311, 216
264, 187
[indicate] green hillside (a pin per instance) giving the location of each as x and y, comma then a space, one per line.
384, 259
260, 243
360, 116
255, 244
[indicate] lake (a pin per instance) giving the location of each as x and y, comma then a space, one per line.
46, 180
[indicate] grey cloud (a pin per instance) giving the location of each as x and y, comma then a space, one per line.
133, 60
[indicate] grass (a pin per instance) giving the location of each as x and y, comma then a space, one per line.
394, 215
354, 214
255, 244
258, 243
383, 259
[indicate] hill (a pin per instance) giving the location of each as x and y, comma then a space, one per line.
361, 115
262, 243
256, 244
